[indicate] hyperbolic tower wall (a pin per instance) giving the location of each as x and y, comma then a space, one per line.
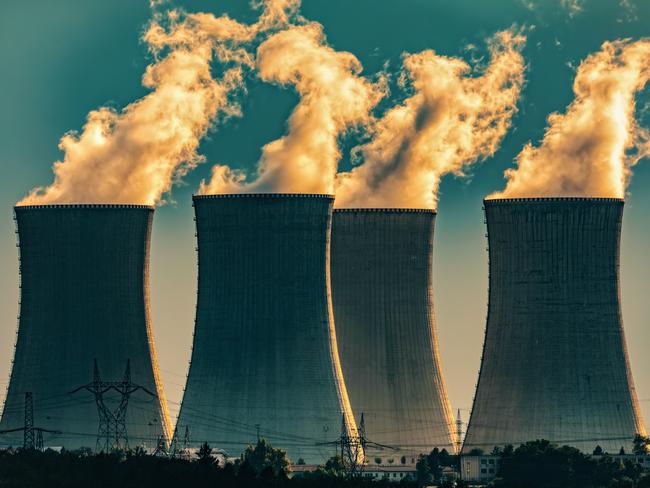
383, 305
555, 363
84, 296
265, 355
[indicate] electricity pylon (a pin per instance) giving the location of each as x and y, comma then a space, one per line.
161, 447
32, 436
111, 433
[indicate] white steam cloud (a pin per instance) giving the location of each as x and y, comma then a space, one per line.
452, 120
590, 149
134, 155
334, 97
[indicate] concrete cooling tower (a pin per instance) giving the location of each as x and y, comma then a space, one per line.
84, 298
265, 358
555, 363
383, 305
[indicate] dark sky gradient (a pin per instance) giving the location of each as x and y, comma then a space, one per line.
62, 59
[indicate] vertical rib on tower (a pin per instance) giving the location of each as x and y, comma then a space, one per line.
84, 296
555, 363
265, 349
383, 306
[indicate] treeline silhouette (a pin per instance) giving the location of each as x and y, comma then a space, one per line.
536, 464
260, 466
541, 464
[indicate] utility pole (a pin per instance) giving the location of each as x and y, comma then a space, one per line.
161, 448
353, 448
29, 436
32, 436
111, 433
459, 432
362, 433
173, 448
184, 451
186, 438
38, 445
459, 443
257, 428
351, 452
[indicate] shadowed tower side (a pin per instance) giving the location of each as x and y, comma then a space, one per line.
555, 363
264, 357
84, 296
383, 306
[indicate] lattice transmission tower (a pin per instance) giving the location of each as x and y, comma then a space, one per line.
32, 436
112, 434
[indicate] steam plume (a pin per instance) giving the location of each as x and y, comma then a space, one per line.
590, 149
333, 98
134, 155
451, 120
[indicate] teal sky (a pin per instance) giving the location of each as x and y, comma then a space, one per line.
62, 59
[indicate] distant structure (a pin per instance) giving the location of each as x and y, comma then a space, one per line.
84, 297
555, 363
265, 359
382, 293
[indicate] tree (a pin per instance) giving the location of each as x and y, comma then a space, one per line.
423, 471
335, 466
434, 460
540, 464
537, 464
245, 470
264, 455
598, 451
301, 462
447, 459
205, 454
377, 460
641, 445
403, 460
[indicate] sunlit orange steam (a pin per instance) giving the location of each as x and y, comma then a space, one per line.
452, 120
333, 98
589, 150
134, 155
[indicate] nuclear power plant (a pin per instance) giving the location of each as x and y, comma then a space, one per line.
84, 300
382, 292
555, 363
265, 360
268, 360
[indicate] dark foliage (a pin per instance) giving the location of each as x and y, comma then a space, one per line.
430, 467
78, 469
540, 464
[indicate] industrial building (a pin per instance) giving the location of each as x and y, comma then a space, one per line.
555, 363
382, 293
265, 360
84, 301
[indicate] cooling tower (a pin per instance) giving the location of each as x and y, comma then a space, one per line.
555, 363
84, 297
383, 305
265, 358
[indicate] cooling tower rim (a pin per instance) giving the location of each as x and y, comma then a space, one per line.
386, 210
103, 206
559, 200
217, 196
